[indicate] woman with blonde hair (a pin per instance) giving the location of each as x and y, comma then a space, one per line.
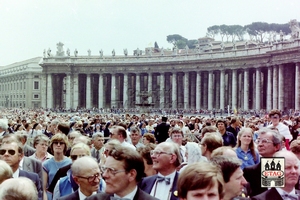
245, 148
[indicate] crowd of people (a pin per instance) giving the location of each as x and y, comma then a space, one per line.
91, 155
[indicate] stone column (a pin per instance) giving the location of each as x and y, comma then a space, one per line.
174, 90
281, 86
125, 91
113, 91
186, 90
68, 91
162, 90
75, 91
234, 89
297, 87
137, 89
49, 92
257, 89
210, 90
275, 87
222, 89
88, 91
198, 91
150, 88
246, 89
269, 89
43, 91
100, 91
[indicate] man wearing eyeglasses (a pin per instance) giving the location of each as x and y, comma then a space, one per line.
12, 154
268, 143
166, 158
123, 169
87, 176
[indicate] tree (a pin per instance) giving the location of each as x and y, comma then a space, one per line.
260, 29
192, 44
223, 31
212, 31
174, 38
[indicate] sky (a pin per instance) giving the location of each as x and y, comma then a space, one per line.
30, 26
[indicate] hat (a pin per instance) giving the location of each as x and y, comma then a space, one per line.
164, 119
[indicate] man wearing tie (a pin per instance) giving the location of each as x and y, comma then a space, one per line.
123, 169
98, 149
166, 158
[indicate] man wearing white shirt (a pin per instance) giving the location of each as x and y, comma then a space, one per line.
3, 127
166, 158
119, 133
275, 116
123, 169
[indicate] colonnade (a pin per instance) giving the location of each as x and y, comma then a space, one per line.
261, 87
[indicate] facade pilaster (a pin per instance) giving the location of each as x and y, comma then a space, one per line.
100, 91
281, 86
269, 89
234, 89
125, 91
68, 91
174, 90
75, 92
150, 88
43, 91
257, 89
246, 89
275, 87
113, 91
222, 89
186, 90
162, 90
49, 91
88, 91
198, 91
297, 87
210, 90
138, 88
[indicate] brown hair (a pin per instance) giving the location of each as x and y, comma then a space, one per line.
199, 175
145, 152
150, 137
212, 141
59, 137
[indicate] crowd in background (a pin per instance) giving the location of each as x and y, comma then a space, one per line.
171, 145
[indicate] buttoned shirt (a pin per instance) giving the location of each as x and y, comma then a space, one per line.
161, 189
82, 196
130, 195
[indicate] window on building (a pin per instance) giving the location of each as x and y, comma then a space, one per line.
35, 76
24, 85
36, 96
36, 85
21, 85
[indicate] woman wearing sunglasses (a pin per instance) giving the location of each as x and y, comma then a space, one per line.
67, 185
58, 146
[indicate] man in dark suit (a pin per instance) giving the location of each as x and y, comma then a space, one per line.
166, 158
12, 153
268, 142
123, 169
291, 178
86, 174
161, 131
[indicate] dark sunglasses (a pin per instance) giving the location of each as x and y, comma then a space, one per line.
10, 151
74, 157
61, 143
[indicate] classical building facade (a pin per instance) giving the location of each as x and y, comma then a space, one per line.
259, 77
20, 84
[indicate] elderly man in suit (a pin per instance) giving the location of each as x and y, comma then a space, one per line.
291, 178
268, 143
98, 148
166, 158
12, 154
86, 174
123, 169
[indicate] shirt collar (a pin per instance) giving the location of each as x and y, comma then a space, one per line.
82, 196
21, 163
282, 192
16, 174
130, 195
